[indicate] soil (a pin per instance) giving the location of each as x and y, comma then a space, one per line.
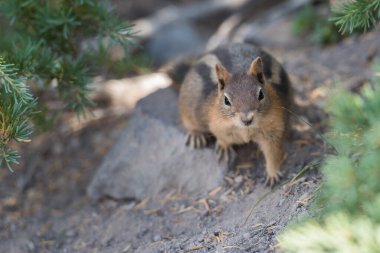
44, 207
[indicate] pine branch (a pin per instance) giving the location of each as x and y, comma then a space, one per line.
359, 14
51, 42
16, 104
48, 43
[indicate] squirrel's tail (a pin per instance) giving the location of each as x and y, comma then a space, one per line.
178, 68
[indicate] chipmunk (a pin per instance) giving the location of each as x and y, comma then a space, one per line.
237, 93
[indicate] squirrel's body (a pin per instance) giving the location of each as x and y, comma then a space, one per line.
238, 94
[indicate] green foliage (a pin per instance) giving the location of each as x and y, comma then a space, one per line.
311, 23
48, 47
16, 101
338, 233
349, 201
356, 136
51, 40
358, 14
347, 217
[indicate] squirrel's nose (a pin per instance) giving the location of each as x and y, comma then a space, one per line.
247, 119
247, 122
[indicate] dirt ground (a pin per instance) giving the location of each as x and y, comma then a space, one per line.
44, 207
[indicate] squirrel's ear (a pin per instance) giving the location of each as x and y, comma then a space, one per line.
222, 75
256, 69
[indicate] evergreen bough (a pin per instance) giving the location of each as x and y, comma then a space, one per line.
16, 102
49, 47
356, 15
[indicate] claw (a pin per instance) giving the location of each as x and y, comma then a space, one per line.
224, 153
271, 180
188, 137
203, 141
196, 140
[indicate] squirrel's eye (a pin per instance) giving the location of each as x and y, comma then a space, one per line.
261, 95
227, 101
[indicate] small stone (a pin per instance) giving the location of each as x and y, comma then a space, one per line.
238, 179
31, 246
247, 236
13, 227
157, 238
74, 143
219, 249
110, 204
70, 233
57, 148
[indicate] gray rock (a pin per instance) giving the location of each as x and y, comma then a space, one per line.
173, 40
157, 238
151, 156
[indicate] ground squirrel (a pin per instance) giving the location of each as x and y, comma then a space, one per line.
237, 93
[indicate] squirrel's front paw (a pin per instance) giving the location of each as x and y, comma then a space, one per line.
196, 140
272, 178
224, 153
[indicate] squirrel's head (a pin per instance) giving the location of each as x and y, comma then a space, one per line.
243, 96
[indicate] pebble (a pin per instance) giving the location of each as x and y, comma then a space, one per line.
157, 238
31, 246
70, 233
219, 249
13, 227
57, 149
74, 143
247, 235
110, 204
238, 179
